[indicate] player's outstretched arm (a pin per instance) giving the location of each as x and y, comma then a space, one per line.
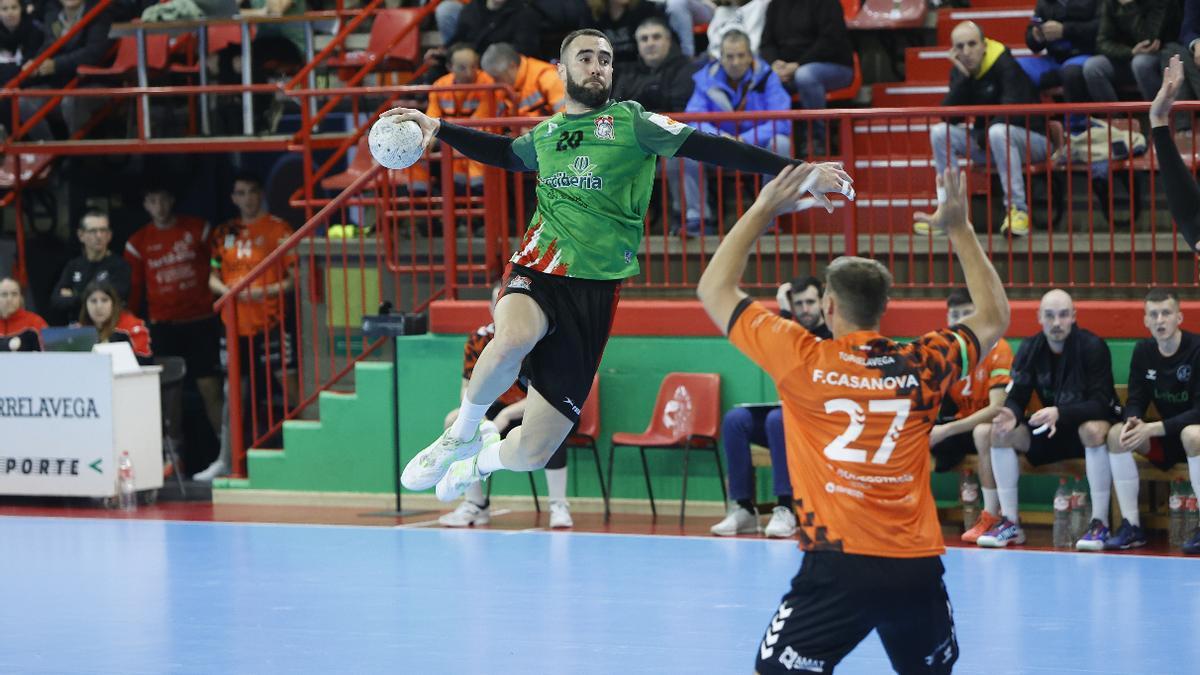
991, 316
730, 154
718, 289
481, 146
1183, 196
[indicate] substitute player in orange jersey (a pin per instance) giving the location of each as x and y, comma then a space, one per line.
857, 411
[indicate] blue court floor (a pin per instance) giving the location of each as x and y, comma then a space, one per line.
138, 596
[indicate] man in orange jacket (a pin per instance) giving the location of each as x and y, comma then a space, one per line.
538, 88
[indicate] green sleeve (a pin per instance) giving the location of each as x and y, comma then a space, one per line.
657, 134
522, 146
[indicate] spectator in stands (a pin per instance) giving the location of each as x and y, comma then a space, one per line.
662, 79
21, 38
1070, 370
763, 425
464, 70
20, 329
88, 47
538, 88
684, 16
984, 72
1188, 50
1164, 370
266, 333
104, 310
277, 49
969, 406
1131, 36
96, 264
738, 83
808, 47
619, 20
506, 413
170, 261
1066, 32
748, 16
485, 22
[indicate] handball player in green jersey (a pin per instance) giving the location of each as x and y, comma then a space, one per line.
595, 171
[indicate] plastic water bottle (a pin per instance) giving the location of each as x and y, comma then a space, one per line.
126, 495
1191, 514
968, 490
1175, 505
1062, 515
1079, 513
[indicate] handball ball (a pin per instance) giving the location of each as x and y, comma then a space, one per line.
395, 144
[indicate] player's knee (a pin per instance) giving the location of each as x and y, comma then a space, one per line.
999, 133
1114, 439
1190, 438
514, 341
982, 436
737, 421
1093, 433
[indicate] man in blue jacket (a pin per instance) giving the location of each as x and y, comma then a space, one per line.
738, 82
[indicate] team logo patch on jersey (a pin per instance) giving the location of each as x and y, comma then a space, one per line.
519, 281
604, 128
666, 123
1184, 373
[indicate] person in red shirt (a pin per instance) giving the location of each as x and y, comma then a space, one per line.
858, 410
169, 260
266, 333
20, 329
104, 311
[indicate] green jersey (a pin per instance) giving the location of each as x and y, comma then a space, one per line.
595, 175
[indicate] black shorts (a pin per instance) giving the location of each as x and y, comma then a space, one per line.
271, 352
562, 365
1166, 451
1046, 450
951, 451
837, 599
198, 342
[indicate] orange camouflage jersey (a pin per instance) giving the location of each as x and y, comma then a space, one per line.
475, 343
971, 395
857, 412
237, 248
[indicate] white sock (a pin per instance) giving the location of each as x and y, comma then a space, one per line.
1125, 478
1099, 477
1007, 471
991, 501
556, 484
1194, 472
467, 422
489, 459
474, 494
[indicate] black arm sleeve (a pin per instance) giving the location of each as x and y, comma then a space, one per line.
1183, 196
730, 154
491, 149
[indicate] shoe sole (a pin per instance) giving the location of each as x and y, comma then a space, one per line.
1090, 546
779, 535
992, 542
1125, 547
408, 482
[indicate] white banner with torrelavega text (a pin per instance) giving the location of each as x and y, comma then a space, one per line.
56, 427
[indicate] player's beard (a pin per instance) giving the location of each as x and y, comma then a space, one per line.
592, 98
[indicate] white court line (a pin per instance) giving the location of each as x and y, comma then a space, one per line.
427, 523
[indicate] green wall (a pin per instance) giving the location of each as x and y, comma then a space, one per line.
350, 448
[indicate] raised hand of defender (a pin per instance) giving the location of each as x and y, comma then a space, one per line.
1172, 81
429, 125
951, 213
783, 192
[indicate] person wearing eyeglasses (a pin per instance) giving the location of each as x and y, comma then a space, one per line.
97, 263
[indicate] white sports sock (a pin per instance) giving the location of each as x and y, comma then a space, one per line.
489, 459
556, 484
1194, 472
991, 501
469, 416
474, 494
1099, 476
1007, 472
1125, 478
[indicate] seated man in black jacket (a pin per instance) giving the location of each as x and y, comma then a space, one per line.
483, 23
96, 264
1070, 369
1164, 370
662, 79
985, 73
1066, 31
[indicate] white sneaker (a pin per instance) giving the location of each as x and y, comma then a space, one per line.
214, 470
737, 521
467, 514
458, 478
560, 514
427, 468
782, 523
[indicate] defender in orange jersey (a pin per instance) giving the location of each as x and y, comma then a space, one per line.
858, 410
